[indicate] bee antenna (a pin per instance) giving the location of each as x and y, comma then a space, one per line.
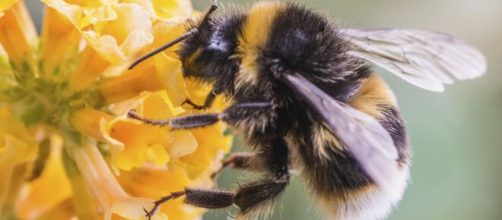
160, 49
214, 6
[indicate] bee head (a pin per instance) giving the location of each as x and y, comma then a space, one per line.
208, 52
207, 48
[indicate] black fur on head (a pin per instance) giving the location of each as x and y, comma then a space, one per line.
207, 55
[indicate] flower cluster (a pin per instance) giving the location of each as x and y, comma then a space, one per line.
67, 147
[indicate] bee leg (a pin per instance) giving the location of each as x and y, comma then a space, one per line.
189, 102
204, 198
200, 120
208, 102
253, 197
238, 160
174, 195
209, 198
184, 122
249, 196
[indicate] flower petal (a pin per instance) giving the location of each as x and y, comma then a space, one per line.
155, 182
92, 65
175, 10
63, 210
88, 122
59, 41
166, 32
17, 35
145, 77
115, 30
212, 145
6, 4
175, 84
39, 196
17, 147
104, 186
138, 139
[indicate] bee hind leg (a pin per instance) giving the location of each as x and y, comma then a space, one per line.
204, 198
174, 195
248, 198
256, 198
252, 198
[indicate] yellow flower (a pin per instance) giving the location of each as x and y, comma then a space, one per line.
6, 4
67, 148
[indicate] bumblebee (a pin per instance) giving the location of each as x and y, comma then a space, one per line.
303, 95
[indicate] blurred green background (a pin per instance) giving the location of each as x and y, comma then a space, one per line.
456, 135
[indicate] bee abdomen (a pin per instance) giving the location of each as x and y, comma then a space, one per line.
338, 182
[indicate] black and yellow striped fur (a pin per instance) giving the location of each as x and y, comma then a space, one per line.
240, 54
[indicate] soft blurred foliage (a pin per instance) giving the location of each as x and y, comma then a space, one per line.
456, 135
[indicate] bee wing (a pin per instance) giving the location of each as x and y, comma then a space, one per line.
425, 59
362, 135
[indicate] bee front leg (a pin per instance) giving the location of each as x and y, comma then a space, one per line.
208, 102
202, 120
